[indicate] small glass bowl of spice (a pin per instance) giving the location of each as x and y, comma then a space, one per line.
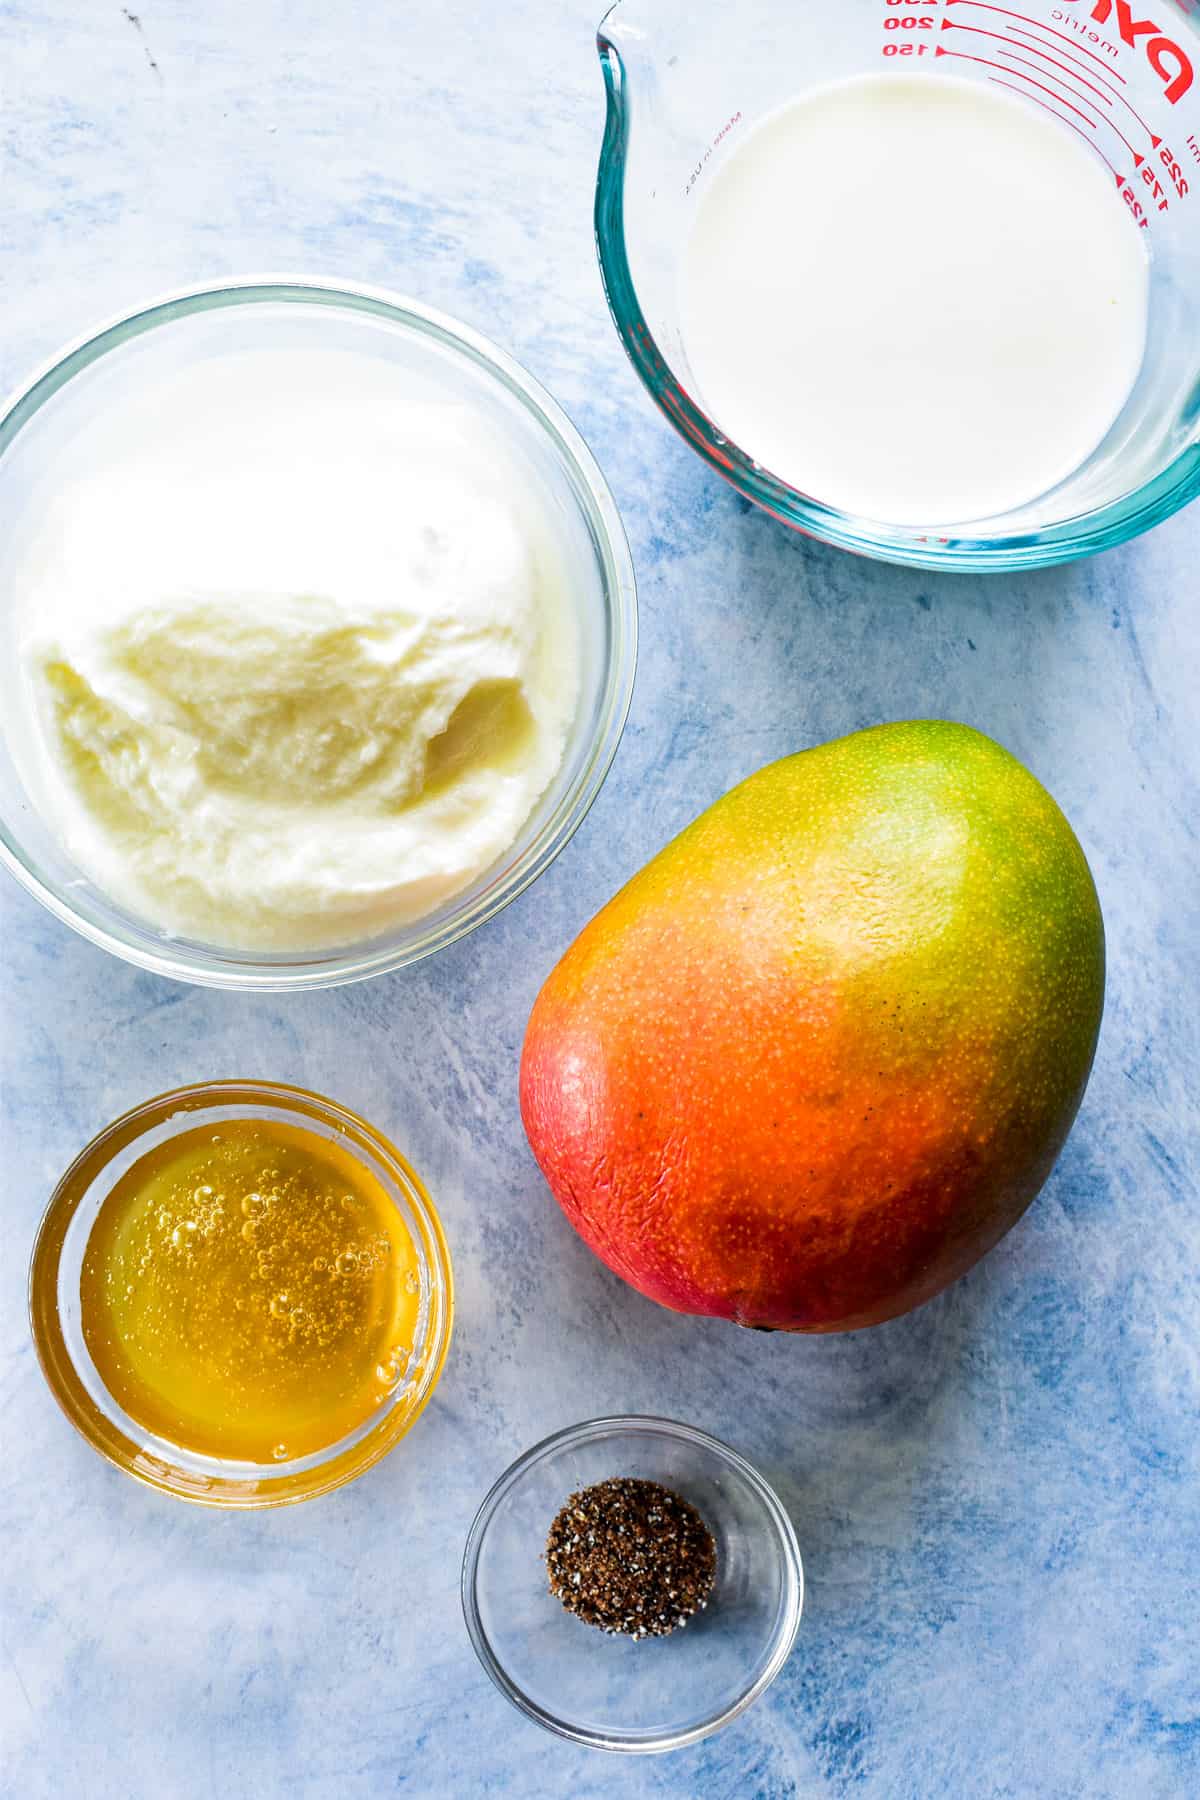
632, 1584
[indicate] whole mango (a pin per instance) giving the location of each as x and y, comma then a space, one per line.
821, 1053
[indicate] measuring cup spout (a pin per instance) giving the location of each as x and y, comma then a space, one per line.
660, 66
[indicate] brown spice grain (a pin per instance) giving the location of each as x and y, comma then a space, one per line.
631, 1556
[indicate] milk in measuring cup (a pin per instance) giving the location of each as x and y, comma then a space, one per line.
914, 298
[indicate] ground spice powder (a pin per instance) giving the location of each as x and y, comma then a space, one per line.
631, 1556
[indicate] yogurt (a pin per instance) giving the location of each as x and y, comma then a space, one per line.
298, 659
914, 298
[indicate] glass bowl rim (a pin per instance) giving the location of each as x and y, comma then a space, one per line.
180, 1107
1067, 540
136, 941
644, 1425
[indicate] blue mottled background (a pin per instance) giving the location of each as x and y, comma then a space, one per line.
996, 1498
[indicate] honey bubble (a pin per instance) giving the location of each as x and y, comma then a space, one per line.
390, 1372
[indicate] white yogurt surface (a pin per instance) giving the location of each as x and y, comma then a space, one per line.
914, 298
298, 657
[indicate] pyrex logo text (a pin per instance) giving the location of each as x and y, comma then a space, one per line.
1168, 61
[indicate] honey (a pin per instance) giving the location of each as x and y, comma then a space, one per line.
250, 1291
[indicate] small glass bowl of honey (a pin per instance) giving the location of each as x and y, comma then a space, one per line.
241, 1294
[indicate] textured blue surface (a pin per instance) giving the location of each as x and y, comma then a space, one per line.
997, 1497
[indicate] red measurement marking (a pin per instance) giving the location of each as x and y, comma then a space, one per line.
1071, 67
949, 25
1004, 68
984, 6
1152, 135
1053, 110
1025, 63
1042, 45
1138, 158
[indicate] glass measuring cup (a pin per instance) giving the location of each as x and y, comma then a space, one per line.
686, 84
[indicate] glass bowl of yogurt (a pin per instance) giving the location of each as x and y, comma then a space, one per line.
920, 280
321, 633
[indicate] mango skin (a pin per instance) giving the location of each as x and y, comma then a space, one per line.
816, 1059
